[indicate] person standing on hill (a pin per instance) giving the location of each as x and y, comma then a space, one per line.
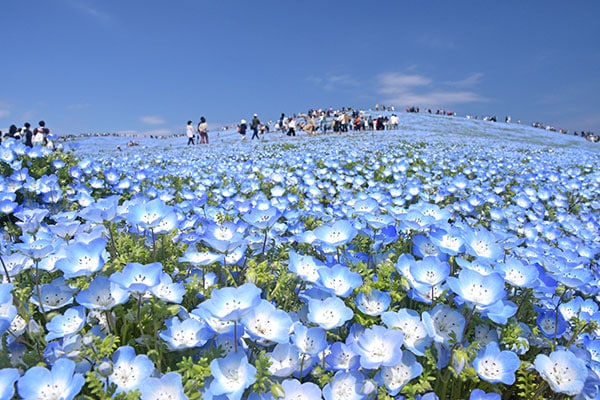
242, 129
28, 135
254, 125
203, 131
40, 133
291, 127
189, 132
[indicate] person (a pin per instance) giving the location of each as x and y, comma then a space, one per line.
242, 129
282, 122
323, 123
13, 132
291, 127
309, 127
203, 131
28, 135
254, 125
189, 132
40, 133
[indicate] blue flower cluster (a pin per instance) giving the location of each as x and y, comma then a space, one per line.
335, 268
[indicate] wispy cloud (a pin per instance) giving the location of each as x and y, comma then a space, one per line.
415, 89
4, 113
435, 41
152, 120
332, 82
91, 10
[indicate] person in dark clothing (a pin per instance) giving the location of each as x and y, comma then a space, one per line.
242, 129
254, 125
28, 135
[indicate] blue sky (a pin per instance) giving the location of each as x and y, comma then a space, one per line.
150, 65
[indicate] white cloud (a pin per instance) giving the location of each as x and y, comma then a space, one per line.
332, 82
414, 89
4, 113
90, 10
152, 120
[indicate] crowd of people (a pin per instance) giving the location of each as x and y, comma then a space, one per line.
39, 136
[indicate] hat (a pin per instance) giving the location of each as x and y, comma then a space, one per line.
243, 121
256, 115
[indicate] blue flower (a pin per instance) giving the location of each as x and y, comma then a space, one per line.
379, 346
429, 271
563, 371
443, 323
8, 311
341, 356
395, 377
477, 289
137, 277
54, 295
167, 290
345, 386
130, 371
478, 394
185, 334
223, 237
336, 234
167, 387
329, 313
409, 323
102, 294
148, 214
262, 217
518, 273
495, 366
68, 324
482, 243
266, 323
309, 341
61, 382
551, 323
231, 304
374, 303
306, 267
295, 390
339, 280
8, 377
82, 259
284, 359
232, 375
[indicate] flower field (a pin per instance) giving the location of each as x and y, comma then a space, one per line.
450, 259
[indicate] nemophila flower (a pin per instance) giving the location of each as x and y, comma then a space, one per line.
495, 366
424, 247
130, 371
477, 289
54, 295
341, 356
8, 311
379, 346
293, 389
345, 386
136, 277
66, 324
104, 209
223, 237
306, 267
266, 323
339, 280
102, 294
448, 241
563, 370
429, 271
200, 258
284, 360
216, 324
231, 375
478, 394
36, 249
310, 341
186, 334
148, 214
231, 304
82, 259
167, 387
8, 206
329, 313
336, 234
167, 290
444, 324
262, 217
395, 377
518, 273
373, 303
8, 377
482, 243
15, 263
236, 255
551, 323
409, 323
30, 219
61, 382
